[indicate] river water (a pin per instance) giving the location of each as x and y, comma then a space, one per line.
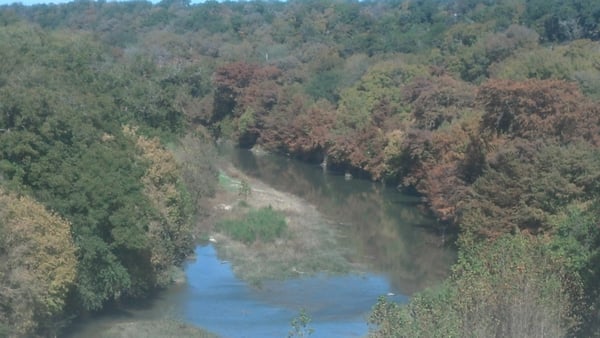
384, 230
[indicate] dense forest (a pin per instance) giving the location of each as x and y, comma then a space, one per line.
488, 110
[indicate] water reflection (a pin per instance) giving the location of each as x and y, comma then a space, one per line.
385, 229
216, 300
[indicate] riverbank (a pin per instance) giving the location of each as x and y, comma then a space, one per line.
310, 245
163, 328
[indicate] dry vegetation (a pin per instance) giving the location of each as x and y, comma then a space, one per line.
309, 245
163, 328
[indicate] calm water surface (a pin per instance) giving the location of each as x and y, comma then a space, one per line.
221, 303
384, 230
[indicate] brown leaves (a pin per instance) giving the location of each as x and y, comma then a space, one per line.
534, 109
437, 167
247, 93
362, 149
246, 84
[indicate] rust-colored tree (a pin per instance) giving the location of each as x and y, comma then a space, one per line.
245, 94
436, 166
535, 109
299, 128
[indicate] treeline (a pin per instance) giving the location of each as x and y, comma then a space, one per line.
94, 207
487, 109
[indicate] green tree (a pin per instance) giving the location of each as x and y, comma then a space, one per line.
512, 287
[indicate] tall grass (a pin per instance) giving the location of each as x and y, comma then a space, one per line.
264, 224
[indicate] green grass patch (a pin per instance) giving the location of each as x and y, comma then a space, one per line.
264, 224
228, 182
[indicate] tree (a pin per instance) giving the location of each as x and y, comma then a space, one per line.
37, 266
169, 232
245, 94
511, 287
534, 109
196, 157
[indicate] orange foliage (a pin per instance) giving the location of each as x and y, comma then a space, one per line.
362, 149
242, 85
536, 109
247, 93
438, 170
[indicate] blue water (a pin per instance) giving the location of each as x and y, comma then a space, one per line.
219, 302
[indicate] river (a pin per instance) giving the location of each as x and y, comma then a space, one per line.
385, 231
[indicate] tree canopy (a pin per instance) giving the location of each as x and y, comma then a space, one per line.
486, 109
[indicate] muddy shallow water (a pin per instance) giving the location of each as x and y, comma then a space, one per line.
384, 231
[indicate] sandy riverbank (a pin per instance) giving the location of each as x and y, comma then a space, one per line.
310, 244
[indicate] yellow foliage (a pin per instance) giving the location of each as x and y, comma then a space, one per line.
169, 233
393, 150
37, 263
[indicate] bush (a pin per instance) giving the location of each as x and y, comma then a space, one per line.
514, 286
264, 224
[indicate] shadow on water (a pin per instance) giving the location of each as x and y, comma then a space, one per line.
383, 229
